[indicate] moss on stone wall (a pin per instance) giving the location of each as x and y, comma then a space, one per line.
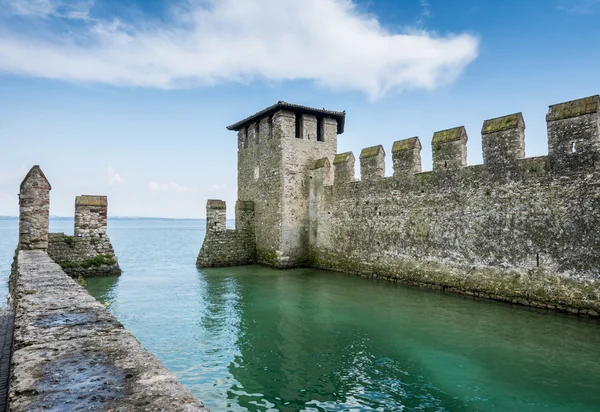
502, 123
406, 144
342, 158
371, 151
449, 135
573, 108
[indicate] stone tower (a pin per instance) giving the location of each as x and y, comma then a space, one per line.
276, 148
34, 210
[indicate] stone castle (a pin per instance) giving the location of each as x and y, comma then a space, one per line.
516, 229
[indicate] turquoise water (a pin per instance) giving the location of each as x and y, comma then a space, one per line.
258, 339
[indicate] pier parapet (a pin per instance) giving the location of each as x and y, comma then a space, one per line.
34, 210
90, 217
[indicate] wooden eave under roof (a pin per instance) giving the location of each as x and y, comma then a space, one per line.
296, 108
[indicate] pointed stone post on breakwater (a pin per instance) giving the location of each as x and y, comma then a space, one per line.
34, 210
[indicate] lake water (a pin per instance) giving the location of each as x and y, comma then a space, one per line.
252, 338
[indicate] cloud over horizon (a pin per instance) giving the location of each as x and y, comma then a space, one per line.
208, 42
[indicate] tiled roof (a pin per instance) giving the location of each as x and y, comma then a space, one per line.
281, 105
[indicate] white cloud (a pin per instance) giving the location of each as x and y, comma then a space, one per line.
72, 9
114, 178
579, 7
155, 186
207, 42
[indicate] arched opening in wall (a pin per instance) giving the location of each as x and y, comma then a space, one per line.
320, 129
246, 137
299, 126
257, 132
270, 126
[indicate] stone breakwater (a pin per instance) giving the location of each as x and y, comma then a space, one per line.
71, 353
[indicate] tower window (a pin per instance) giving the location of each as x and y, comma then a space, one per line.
246, 137
299, 126
573, 147
270, 125
320, 137
257, 132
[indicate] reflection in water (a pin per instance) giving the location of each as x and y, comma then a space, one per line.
252, 338
104, 289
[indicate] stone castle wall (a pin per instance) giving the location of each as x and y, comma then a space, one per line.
89, 252
228, 247
524, 230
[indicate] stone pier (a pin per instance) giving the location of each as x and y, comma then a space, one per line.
69, 352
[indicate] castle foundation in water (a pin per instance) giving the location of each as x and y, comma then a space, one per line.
515, 229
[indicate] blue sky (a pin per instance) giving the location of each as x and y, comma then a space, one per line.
131, 99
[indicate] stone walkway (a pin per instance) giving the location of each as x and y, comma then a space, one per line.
71, 354
6, 333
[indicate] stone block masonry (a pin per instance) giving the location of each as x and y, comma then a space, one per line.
34, 210
515, 229
228, 247
71, 353
89, 252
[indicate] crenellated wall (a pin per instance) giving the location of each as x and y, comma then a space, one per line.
523, 230
228, 247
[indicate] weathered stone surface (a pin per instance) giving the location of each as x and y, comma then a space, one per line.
372, 163
227, 247
34, 210
503, 142
70, 353
406, 155
449, 148
515, 229
276, 147
89, 252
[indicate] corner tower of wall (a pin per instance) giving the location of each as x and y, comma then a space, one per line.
34, 210
276, 149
